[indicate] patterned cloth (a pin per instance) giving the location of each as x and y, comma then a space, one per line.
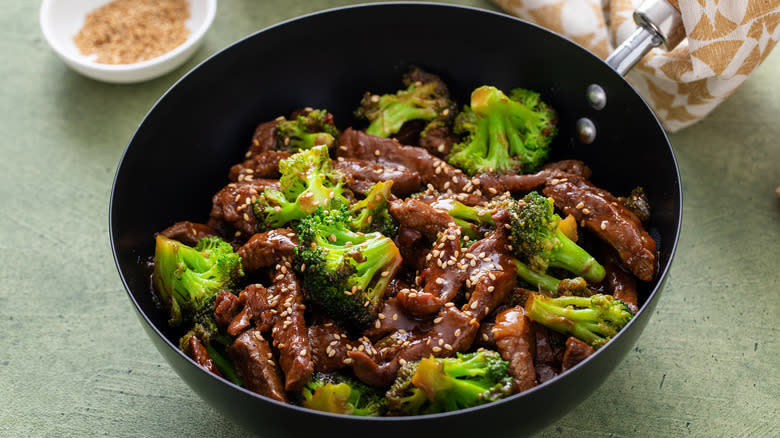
726, 41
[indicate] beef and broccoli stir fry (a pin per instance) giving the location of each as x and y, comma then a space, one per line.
428, 261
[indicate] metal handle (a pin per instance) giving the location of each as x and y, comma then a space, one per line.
659, 23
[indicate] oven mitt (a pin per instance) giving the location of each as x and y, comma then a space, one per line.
726, 41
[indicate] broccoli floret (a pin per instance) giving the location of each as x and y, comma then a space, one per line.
434, 385
345, 273
503, 134
307, 181
429, 101
340, 393
185, 277
205, 328
593, 319
315, 128
473, 221
370, 213
537, 240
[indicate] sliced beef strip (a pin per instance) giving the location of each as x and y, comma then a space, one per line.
491, 272
255, 311
330, 345
438, 141
290, 335
491, 184
575, 167
367, 173
198, 353
516, 341
420, 216
548, 354
435, 199
264, 138
392, 317
188, 233
453, 331
226, 307
621, 284
409, 134
413, 247
255, 364
432, 170
262, 165
267, 248
601, 213
232, 206
575, 352
439, 279
485, 337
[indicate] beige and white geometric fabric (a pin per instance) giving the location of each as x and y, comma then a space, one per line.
726, 41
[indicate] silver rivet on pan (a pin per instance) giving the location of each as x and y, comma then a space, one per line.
597, 97
586, 130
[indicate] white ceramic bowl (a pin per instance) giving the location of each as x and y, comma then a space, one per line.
62, 19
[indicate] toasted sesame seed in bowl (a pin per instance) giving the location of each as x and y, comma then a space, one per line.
125, 41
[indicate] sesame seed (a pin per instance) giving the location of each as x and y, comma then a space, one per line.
437, 320
474, 305
436, 349
439, 280
585, 211
377, 153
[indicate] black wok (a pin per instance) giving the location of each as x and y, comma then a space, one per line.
181, 152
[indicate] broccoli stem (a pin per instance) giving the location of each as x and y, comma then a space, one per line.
308, 140
593, 319
571, 257
536, 279
395, 115
498, 147
224, 365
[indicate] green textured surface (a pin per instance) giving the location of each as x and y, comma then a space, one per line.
74, 360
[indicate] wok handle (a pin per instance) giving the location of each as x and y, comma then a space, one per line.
659, 23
